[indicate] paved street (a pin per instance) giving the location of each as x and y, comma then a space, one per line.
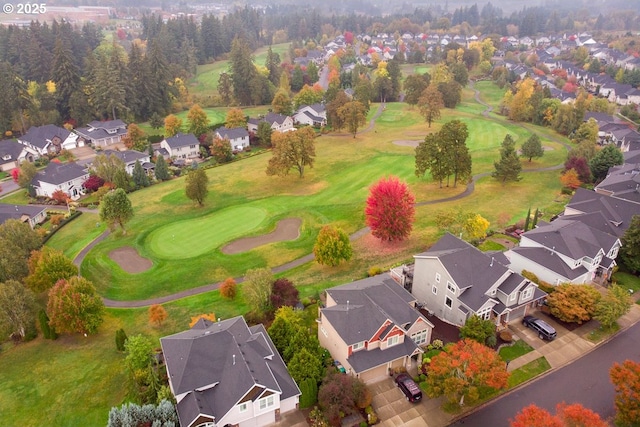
585, 381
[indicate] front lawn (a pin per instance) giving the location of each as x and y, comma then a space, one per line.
519, 348
528, 371
627, 280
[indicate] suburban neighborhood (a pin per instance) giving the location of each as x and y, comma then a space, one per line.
291, 217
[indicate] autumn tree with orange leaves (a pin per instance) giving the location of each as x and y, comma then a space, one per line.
157, 314
463, 370
626, 381
566, 416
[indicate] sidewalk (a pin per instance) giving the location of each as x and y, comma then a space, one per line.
570, 344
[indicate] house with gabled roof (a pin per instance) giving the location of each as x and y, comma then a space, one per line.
12, 153
67, 177
278, 123
572, 249
311, 115
227, 374
48, 139
622, 182
32, 215
238, 137
103, 133
371, 326
455, 280
181, 146
130, 157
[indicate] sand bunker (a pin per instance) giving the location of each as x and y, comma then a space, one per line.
287, 229
129, 260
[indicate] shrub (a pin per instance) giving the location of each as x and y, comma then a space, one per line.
491, 341
531, 276
56, 219
573, 303
229, 289
93, 183
375, 270
506, 336
121, 339
309, 389
47, 332
437, 344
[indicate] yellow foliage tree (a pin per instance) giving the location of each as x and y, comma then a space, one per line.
235, 118
172, 125
519, 105
205, 316
476, 227
570, 179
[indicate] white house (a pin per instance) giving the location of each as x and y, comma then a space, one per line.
67, 177
228, 374
278, 123
237, 137
182, 146
48, 139
130, 157
312, 115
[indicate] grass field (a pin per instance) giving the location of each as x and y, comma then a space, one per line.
47, 379
528, 371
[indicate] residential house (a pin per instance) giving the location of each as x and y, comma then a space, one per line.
48, 139
312, 115
227, 374
371, 326
12, 153
33, 215
103, 134
67, 177
454, 280
237, 137
181, 146
278, 123
130, 157
622, 182
572, 249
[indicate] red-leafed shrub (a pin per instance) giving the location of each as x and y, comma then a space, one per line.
93, 183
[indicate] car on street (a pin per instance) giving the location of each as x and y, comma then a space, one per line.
545, 331
409, 387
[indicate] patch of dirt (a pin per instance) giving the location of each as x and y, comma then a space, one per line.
287, 229
129, 260
408, 142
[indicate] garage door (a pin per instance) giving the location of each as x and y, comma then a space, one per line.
375, 374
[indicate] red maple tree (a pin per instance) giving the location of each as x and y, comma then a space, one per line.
390, 209
626, 381
566, 416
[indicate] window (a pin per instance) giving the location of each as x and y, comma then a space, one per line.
324, 331
451, 288
391, 341
484, 314
192, 146
420, 337
613, 253
434, 290
357, 346
448, 302
243, 407
527, 293
438, 277
267, 402
512, 297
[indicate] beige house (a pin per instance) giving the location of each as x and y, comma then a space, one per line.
372, 326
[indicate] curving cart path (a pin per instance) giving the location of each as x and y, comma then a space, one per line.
307, 258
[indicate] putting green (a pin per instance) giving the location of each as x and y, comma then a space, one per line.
191, 238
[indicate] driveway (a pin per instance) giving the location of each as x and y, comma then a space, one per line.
394, 410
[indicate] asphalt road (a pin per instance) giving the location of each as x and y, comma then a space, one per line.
7, 187
585, 381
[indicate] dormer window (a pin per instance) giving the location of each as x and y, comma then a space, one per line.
6, 157
391, 341
357, 346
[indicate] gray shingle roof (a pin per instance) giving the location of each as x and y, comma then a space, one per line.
127, 156
58, 173
181, 140
11, 149
40, 136
100, 130
617, 211
233, 133
228, 360
8, 212
623, 182
363, 360
551, 261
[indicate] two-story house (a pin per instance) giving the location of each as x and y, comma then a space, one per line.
130, 157
227, 374
573, 249
312, 115
238, 137
182, 146
103, 134
12, 153
32, 215
277, 122
454, 280
48, 139
67, 177
371, 326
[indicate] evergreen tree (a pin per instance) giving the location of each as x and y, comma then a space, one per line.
508, 168
242, 71
65, 75
109, 96
137, 98
603, 160
454, 135
161, 170
140, 177
272, 64
297, 78
532, 147
527, 219
630, 251
161, 87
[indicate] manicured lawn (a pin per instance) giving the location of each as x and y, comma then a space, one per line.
490, 92
528, 371
18, 197
490, 245
519, 348
627, 280
77, 234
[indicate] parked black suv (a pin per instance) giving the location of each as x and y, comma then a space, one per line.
545, 331
409, 387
